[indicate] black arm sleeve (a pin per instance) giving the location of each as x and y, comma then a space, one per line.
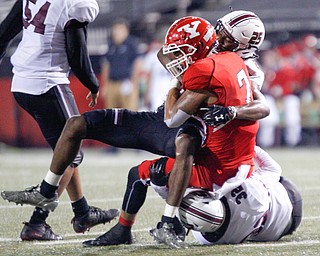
78, 56
10, 27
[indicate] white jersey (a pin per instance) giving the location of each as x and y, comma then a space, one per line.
260, 208
255, 72
280, 210
40, 61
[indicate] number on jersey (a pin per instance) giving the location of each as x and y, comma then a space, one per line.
38, 19
243, 80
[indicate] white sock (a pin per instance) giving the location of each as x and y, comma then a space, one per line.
170, 211
52, 178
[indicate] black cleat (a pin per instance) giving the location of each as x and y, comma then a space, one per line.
116, 235
94, 217
40, 232
179, 229
31, 196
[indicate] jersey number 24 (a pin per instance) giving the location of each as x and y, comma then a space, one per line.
38, 19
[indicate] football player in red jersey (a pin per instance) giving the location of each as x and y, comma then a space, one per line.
221, 78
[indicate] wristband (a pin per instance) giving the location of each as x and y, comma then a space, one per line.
170, 211
174, 83
232, 112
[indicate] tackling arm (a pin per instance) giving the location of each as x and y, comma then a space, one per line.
254, 110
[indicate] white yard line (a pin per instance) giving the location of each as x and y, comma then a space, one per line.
278, 244
79, 241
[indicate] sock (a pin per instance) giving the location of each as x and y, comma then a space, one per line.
39, 216
52, 178
170, 211
126, 223
80, 207
47, 190
167, 219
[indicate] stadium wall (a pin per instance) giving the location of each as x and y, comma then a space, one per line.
18, 129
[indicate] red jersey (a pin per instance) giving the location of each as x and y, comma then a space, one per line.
226, 76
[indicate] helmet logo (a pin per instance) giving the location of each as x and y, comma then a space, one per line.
256, 38
191, 29
208, 35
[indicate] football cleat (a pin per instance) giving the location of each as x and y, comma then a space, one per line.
39, 232
179, 229
31, 196
94, 217
118, 234
164, 233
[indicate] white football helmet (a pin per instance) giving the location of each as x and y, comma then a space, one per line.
244, 30
200, 212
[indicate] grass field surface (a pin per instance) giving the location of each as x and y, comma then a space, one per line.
104, 178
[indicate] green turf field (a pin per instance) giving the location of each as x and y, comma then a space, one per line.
103, 180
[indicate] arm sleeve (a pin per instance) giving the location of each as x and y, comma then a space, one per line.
78, 55
178, 119
10, 27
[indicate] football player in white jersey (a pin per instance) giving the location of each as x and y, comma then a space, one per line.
242, 32
53, 41
264, 208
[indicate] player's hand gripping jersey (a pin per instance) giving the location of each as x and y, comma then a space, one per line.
41, 55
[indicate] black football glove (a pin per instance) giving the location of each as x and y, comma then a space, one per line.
218, 115
157, 172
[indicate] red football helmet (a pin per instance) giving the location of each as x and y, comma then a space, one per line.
187, 40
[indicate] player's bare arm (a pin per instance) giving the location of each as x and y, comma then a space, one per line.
255, 110
179, 109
